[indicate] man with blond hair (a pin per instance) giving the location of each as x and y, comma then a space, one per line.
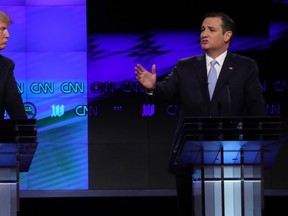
10, 98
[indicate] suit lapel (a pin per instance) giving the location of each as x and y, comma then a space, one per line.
202, 74
201, 70
225, 74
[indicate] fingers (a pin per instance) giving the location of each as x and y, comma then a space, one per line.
139, 68
154, 68
138, 72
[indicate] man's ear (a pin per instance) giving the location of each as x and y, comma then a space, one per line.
227, 36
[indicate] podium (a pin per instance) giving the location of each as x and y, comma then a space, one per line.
18, 143
226, 156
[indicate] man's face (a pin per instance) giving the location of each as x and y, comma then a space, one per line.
212, 37
4, 34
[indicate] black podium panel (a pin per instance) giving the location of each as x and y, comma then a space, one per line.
18, 138
18, 144
226, 157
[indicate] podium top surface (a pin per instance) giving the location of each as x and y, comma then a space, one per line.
233, 128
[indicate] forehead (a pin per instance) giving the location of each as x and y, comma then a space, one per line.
3, 23
212, 22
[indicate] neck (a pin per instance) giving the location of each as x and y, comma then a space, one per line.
215, 53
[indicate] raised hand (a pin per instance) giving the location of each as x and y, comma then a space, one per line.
145, 78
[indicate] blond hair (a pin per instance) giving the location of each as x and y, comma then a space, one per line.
5, 18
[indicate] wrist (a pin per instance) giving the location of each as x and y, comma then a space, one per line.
149, 91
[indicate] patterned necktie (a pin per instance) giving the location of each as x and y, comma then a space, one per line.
212, 78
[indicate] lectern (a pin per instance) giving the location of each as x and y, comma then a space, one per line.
18, 143
228, 155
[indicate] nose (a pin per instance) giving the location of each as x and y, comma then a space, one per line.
7, 34
203, 33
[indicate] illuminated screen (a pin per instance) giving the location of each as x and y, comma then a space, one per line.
48, 44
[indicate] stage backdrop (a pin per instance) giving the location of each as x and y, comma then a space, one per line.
75, 70
130, 139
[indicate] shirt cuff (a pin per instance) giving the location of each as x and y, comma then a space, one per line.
149, 92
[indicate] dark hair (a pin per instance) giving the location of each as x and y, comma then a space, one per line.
228, 23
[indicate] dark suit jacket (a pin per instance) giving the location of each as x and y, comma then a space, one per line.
10, 98
238, 91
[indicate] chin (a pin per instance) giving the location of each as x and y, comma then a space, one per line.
204, 48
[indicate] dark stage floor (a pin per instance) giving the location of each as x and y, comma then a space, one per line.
128, 206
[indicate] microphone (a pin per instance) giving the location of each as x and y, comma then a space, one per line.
229, 97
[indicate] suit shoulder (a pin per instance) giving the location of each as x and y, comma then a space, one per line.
5, 60
191, 59
239, 57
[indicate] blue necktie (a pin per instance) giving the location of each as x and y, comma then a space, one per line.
212, 78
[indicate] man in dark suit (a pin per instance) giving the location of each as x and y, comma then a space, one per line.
10, 98
238, 91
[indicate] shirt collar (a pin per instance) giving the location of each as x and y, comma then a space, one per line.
220, 59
